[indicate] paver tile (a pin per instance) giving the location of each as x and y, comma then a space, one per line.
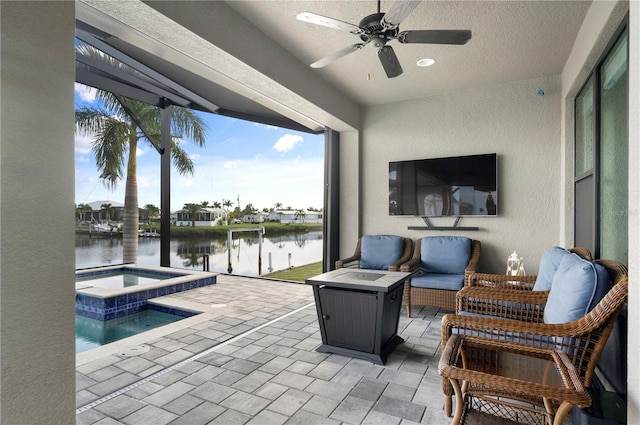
183, 404
289, 402
352, 410
400, 408
245, 403
168, 394
149, 415
267, 417
212, 392
120, 406
200, 415
231, 417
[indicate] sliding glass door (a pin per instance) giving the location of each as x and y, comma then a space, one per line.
601, 162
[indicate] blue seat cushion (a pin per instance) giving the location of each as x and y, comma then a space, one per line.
548, 266
578, 285
445, 254
378, 251
451, 282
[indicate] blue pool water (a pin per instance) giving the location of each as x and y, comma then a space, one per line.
92, 333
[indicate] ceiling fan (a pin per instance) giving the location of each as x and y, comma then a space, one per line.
379, 28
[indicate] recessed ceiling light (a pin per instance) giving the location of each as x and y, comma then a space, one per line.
425, 62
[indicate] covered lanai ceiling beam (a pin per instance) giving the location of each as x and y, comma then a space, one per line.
116, 54
134, 117
131, 79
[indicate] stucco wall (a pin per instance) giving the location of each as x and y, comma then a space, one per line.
510, 119
633, 351
37, 354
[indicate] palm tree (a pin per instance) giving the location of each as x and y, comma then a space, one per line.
227, 203
300, 214
107, 209
116, 141
217, 204
204, 204
277, 206
193, 210
82, 209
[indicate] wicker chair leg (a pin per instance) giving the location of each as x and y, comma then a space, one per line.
447, 405
407, 297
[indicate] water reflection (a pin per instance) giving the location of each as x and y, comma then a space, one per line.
278, 252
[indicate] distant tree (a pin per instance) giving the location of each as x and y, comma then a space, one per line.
300, 214
107, 209
227, 203
82, 209
266, 210
152, 210
204, 204
217, 204
193, 210
289, 208
277, 206
249, 209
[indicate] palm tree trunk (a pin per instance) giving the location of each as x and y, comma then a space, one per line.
130, 218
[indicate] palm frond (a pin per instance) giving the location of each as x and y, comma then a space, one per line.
109, 147
189, 125
182, 161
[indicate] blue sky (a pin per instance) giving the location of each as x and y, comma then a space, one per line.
260, 164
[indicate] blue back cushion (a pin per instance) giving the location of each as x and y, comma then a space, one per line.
548, 265
445, 254
577, 287
377, 251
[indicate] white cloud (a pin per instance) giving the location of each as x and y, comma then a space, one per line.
228, 164
86, 93
287, 142
83, 143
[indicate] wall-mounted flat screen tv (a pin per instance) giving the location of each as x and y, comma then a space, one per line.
454, 186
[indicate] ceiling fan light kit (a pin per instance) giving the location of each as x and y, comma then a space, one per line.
379, 28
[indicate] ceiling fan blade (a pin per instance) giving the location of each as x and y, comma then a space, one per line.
328, 22
337, 55
435, 36
398, 12
389, 61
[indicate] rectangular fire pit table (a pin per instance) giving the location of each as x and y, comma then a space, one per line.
358, 311
522, 384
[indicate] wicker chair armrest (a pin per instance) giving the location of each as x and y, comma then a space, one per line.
527, 306
474, 260
501, 281
345, 262
411, 266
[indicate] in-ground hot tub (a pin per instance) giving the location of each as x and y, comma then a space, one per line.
105, 293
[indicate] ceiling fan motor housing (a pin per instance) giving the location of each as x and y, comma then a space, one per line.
374, 30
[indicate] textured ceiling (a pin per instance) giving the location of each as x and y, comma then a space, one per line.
512, 40
219, 50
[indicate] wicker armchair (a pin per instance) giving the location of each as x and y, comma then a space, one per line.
583, 339
516, 282
439, 292
379, 252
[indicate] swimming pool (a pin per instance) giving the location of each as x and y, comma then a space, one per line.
92, 333
106, 293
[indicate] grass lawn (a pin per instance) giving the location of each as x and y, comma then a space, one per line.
297, 274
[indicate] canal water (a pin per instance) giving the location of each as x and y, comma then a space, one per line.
278, 252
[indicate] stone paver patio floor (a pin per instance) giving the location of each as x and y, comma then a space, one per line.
250, 358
